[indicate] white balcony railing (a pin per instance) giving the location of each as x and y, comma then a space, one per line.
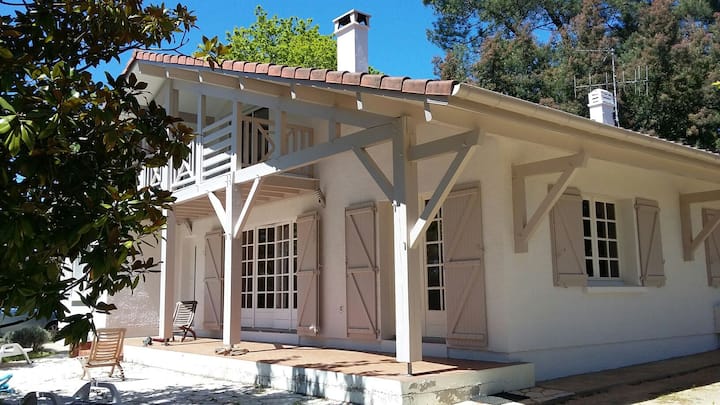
219, 149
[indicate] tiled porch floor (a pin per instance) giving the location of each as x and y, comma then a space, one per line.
344, 375
342, 361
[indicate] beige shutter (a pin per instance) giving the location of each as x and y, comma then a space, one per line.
568, 251
308, 275
464, 270
361, 272
652, 272
712, 249
214, 276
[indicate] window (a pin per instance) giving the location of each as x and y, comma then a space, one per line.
247, 267
268, 264
434, 264
600, 235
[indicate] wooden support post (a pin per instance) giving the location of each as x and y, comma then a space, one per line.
690, 243
231, 264
167, 275
408, 280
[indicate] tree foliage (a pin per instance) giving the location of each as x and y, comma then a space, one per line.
72, 150
284, 41
539, 50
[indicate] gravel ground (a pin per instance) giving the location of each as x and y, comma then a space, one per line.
697, 387
144, 385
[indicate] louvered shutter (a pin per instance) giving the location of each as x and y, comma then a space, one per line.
361, 272
652, 272
214, 276
464, 270
566, 233
712, 249
308, 275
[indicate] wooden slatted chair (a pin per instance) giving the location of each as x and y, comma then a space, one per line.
183, 319
106, 351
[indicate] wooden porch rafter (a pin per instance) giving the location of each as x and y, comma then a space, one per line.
524, 228
303, 100
690, 243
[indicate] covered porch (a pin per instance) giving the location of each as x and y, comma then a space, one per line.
342, 375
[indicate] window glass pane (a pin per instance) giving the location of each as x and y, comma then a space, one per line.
586, 208
269, 301
612, 231
587, 231
271, 267
432, 232
602, 248
589, 267
261, 268
261, 236
599, 210
270, 250
613, 249
604, 268
433, 254
271, 234
610, 209
261, 300
434, 300
588, 247
433, 277
261, 252
614, 268
261, 284
271, 284
601, 230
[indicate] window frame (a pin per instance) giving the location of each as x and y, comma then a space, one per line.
440, 242
251, 295
596, 240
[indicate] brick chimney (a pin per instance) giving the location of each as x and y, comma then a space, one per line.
351, 30
602, 106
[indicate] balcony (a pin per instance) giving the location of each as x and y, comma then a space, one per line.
222, 147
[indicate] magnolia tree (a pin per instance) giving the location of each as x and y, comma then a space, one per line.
72, 150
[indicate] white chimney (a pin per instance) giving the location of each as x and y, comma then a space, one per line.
602, 106
351, 30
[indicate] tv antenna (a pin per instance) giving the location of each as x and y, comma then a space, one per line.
612, 80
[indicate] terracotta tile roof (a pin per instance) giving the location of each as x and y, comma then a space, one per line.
393, 83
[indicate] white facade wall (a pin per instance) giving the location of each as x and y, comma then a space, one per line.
561, 330
572, 330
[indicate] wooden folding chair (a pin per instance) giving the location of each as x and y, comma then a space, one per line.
183, 319
106, 351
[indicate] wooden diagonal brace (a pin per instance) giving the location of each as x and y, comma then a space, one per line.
690, 243
523, 227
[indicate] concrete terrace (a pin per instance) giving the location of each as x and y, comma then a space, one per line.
340, 375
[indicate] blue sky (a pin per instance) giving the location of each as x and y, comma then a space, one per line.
398, 41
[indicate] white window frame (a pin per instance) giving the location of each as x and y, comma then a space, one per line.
250, 260
440, 264
596, 239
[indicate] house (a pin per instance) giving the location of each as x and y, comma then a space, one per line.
428, 217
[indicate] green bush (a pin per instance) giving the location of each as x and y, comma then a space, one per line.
33, 337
